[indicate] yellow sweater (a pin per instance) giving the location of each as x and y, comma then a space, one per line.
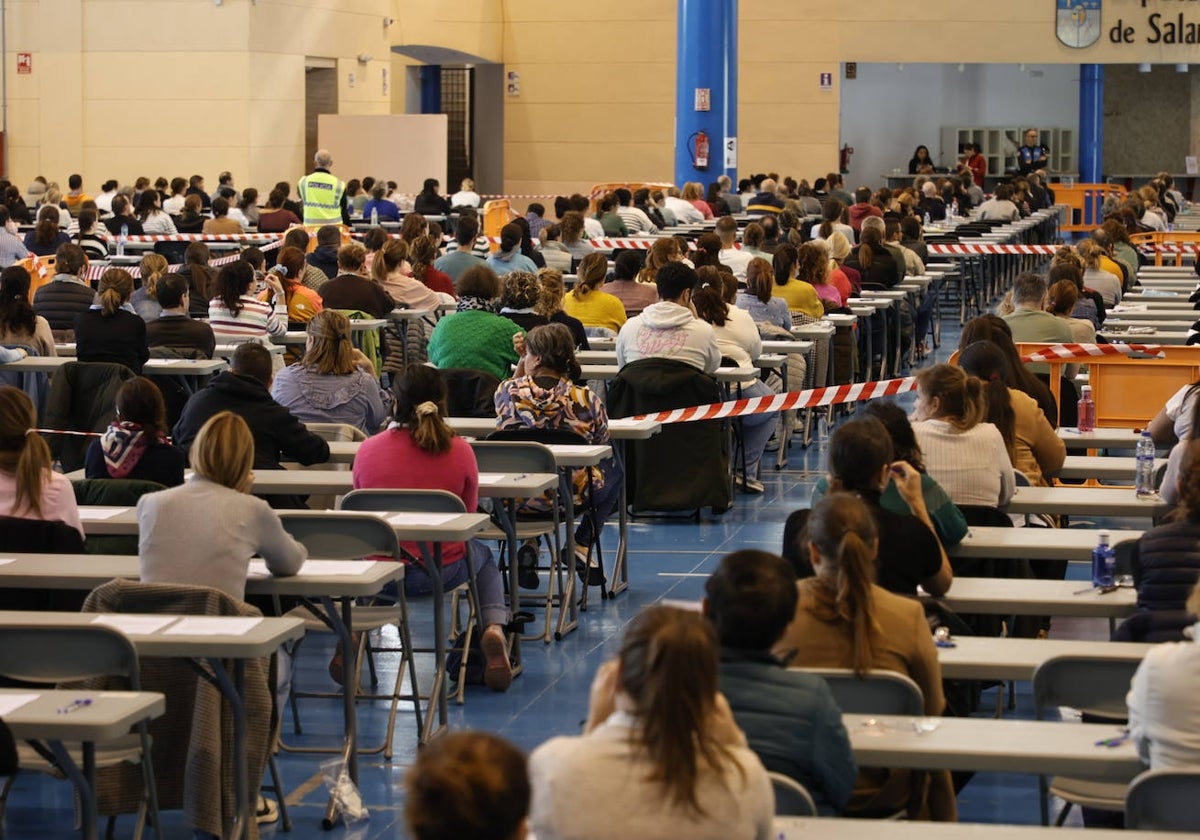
596, 309
800, 297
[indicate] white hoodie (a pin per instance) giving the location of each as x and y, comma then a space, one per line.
670, 331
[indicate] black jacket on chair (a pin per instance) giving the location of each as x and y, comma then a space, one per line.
82, 398
1166, 564
686, 465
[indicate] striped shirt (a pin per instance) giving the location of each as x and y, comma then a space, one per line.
636, 220
256, 319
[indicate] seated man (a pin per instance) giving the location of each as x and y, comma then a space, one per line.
456, 262
1000, 208
122, 217
669, 329
790, 719
1030, 322
67, 295
862, 207
245, 389
174, 328
731, 257
351, 290
221, 224
324, 256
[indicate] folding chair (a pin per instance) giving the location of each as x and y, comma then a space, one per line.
425, 501
792, 799
1164, 800
337, 536
52, 654
875, 693
1094, 686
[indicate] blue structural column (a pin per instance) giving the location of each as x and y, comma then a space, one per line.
706, 47
431, 89
1091, 123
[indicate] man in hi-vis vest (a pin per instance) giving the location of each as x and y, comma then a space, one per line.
323, 195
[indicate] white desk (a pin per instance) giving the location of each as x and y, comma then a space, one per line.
988, 658
1011, 596
1100, 438
618, 429
1035, 543
1084, 501
360, 325
1152, 314
153, 367
724, 374
108, 716
786, 347
822, 828
1102, 467
221, 351
1166, 337
996, 746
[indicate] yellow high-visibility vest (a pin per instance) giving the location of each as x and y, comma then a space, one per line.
321, 193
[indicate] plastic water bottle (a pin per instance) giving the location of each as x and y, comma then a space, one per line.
1104, 563
122, 238
1087, 411
1144, 477
374, 217
954, 209
928, 220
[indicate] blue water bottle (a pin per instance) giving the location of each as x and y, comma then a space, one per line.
1104, 563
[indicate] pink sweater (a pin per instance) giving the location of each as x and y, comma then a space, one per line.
58, 501
390, 460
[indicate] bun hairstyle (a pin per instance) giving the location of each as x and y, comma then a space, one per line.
963, 404
986, 362
591, 273
554, 346
23, 453
668, 668
420, 404
151, 268
116, 286
846, 537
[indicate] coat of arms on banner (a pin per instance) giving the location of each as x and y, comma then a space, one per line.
1078, 23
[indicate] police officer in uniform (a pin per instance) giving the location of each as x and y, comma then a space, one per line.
1033, 155
323, 195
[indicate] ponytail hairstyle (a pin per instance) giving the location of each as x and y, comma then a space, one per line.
986, 362
23, 453
868, 242
760, 276
195, 260
510, 238
843, 531
1090, 253
414, 225
961, 397
708, 297
388, 260
550, 296
289, 265
668, 669
116, 285
151, 268
904, 439
87, 221
420, 404
46, 230
591, 273
422, 251
831, 212
813, 262
16, 313
663, 251
233, 281
330, 351
555, 347
1061, 298
859, 450
783, 262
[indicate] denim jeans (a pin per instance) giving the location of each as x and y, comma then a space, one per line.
487, 579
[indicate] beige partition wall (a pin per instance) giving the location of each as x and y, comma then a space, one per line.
405, 148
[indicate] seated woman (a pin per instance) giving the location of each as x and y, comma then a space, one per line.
110, 331
594, 307
801, 297
46, 236
144, 300
509, 257
1061, 299
1172, 424
136, 445
237, 526
467, 784
947, 519
861, 460
474, 336
303, 303
660, 740
19, 324
1163, 718
422, 251
965, 454
550, 306
758, 299
542, 395
520, 294
813, 269
738, 340
1033, 446
29, 487
387, 269
334, 382
419, 451
844, 620
236, 315
994, 329
92, 236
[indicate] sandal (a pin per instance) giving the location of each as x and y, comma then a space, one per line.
497, 673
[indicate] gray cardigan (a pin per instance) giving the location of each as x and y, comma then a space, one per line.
204, 534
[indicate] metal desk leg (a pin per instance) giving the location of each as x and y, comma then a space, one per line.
506, 515
85, 783
437, 693
621, 564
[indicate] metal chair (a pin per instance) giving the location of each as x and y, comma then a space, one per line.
1095, 686
425, 501
1164, 800
792, 799
331, 432
51, 654
875, 693
339, 536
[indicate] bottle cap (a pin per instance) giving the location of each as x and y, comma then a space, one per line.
1087, 389
1104, 537
1146, 433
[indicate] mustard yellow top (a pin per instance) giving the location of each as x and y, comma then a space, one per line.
800, 297
597, 309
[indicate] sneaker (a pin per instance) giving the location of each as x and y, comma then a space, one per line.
497, 673
527, 557
267, 811
751, 485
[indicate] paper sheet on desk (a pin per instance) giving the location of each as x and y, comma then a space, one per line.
9, 703
320, 568
88, 514
134, 625
4, 561
428, 519
490, 478
212, 626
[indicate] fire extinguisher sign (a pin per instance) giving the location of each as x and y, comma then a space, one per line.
730, 153
703, 99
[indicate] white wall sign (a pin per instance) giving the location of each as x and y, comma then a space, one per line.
730, 153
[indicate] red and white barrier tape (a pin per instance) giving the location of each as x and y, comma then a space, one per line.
95, 272
863, 391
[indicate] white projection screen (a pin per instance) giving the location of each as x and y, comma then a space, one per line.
405, 148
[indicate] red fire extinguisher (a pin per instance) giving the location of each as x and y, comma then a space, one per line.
699, 150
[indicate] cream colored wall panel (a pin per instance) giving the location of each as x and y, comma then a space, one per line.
585, 84
551, 123
193, 122
24, 32
573, 42
268, 165
528, 11
474, 27
275, 124
761, 84
115, 25
226, 75
773, 43
765, 124
306, 28
809, 160
24, 164
589, 162
125, 164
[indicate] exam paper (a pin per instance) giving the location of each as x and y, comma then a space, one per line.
211, 625
427, 519
87, 513
318, 568
134, 625
9, 703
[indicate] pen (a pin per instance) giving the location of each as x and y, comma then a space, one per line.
75, 705
1115, 741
